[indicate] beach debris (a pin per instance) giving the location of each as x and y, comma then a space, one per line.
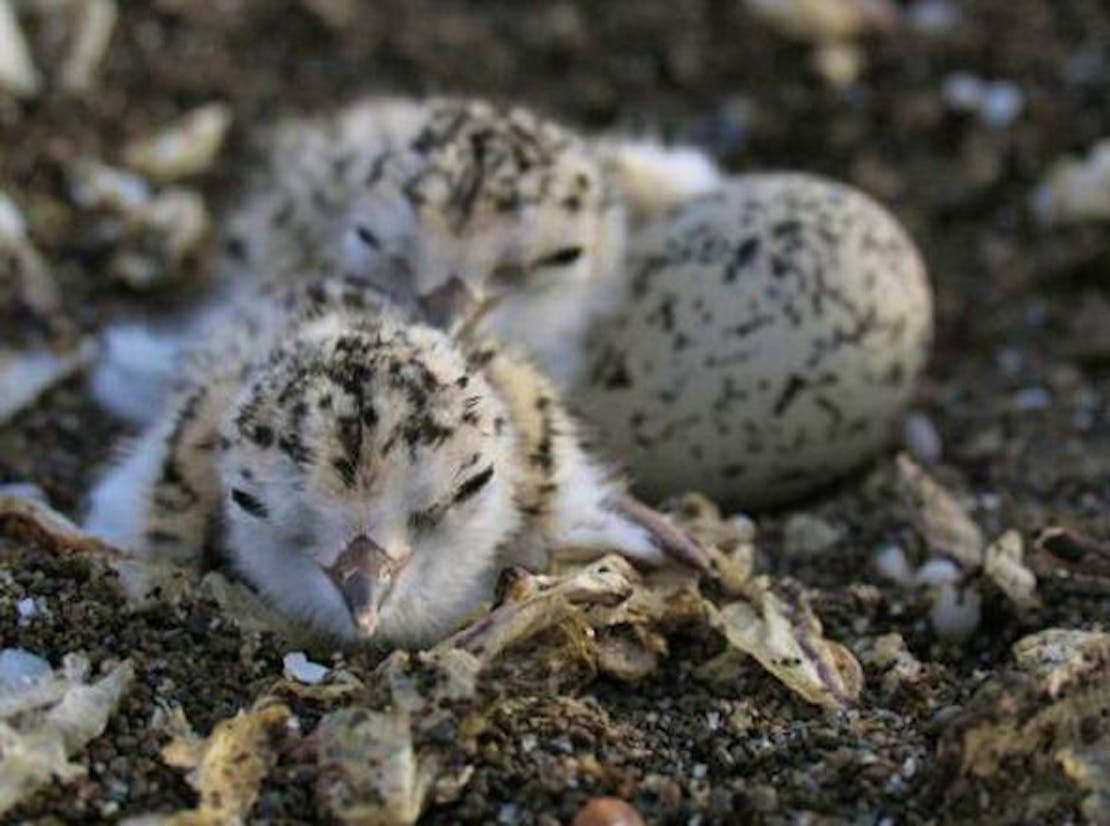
18, 75
1004, 565
227, 767
45, 720
25, 279
822, 21
26, 375
832, 27
960, 560
1045, 712
944, 524
159, 235
186, 147
1075, 190
781, 632
93, 22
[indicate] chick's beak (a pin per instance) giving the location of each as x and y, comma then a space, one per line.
364, 574
457, 306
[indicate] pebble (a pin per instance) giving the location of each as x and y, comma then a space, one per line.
808, 535
298, 667
607, 811
922, 439
19, 667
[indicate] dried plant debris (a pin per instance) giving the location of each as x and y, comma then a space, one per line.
27, 286
158, 237
1076, 189
1073, 559
227, 767
18, 75
93, 22
1005, 566
46, 719
783, 634
1050, 711
944, 524
960, 564
182, 149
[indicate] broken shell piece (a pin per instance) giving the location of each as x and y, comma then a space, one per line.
36, 745
1005, 567
369, 769
169, 232
187, 147
1076, 189
228, 767
95, 185
821, 21
93, 23
1060, 657
25, 279
18, 74
24, 376
943, 522
784, 635
806, 535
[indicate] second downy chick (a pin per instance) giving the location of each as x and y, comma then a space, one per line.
365, 473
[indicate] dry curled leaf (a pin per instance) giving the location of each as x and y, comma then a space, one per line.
784, 635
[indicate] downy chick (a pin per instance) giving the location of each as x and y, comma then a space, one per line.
493, 216
367, 474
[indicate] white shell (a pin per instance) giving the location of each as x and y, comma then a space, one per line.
771, 338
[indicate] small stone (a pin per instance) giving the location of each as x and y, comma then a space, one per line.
1032, 398
808, 535
298, 667
956, 612
19, 667
607, 811
922, 439
18, 74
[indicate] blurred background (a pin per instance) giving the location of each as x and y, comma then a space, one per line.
983, 124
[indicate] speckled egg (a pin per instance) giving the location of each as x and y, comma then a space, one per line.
771, 337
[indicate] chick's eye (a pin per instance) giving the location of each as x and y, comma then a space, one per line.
561, 257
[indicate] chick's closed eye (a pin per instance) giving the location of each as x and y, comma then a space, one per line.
563, 257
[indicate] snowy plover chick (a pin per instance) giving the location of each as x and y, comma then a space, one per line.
487, 212
367, 474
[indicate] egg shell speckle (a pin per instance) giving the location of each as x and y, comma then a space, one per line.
772, 335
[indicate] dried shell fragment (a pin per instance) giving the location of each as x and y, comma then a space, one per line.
37, 742
1006, 568
786, 638
18, 74
25, 278
1076, 189
369, 770
227, 767
1059, 657
167, 232
820, 21
943, 522
24, 376
93, 24
187, 147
